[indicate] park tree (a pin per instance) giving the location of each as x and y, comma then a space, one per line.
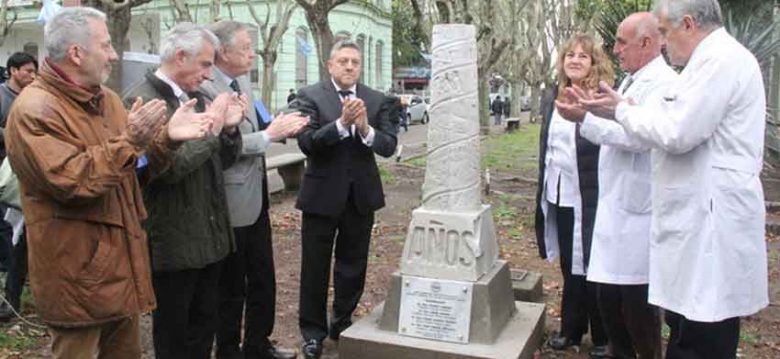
271, 33
316, 12
6, 20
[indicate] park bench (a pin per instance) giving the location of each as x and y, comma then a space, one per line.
512, 124
290, 167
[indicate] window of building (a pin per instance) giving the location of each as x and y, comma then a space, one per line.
302, 49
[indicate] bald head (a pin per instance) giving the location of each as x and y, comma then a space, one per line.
638, 41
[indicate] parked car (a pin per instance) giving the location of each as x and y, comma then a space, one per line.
417, 111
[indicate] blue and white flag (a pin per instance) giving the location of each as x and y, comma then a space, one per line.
48, 10
304, 46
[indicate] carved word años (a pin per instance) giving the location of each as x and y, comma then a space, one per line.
439, 246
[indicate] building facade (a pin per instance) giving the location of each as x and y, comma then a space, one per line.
366, 21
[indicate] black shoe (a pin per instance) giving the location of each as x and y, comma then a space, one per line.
599, 352
271, 353
312, 349
5, 312
335, 330
559, 342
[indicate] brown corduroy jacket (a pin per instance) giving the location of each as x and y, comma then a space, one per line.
88, 254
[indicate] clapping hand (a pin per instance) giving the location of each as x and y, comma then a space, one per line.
286, 125
218, 111
185, 124
602, 104
569, 108
236, 110
144, 120
349, 111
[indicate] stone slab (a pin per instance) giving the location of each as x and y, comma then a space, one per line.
527, 286
521, 337
492, 304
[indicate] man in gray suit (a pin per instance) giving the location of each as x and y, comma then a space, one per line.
247, 274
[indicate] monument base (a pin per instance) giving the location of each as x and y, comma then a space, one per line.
519, 339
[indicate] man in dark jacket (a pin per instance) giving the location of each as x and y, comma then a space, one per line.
188, 225
498, 109
341, 190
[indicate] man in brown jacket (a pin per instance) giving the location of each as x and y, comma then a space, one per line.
74, 148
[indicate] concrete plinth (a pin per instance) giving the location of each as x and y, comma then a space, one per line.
519, 339
492, 304
527, 286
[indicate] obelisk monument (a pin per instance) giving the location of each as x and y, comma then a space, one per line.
452, 296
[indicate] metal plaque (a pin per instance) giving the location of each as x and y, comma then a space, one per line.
435, 309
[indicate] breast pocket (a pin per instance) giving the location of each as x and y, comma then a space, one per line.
636, 193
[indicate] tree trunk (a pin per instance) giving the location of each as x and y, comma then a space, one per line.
269, 60
323, 40
483, 91
517, 98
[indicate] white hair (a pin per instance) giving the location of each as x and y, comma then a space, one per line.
188, 37
69, 26
226, 31
706, 13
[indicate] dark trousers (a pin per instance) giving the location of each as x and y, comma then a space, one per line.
352, 235
699, 340
633, 325
17, 273
185, 320
6, 232
579, 306
248, 278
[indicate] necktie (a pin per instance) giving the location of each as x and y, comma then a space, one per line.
629, 82
234, 86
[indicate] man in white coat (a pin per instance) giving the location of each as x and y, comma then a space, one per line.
708, 264
621, 235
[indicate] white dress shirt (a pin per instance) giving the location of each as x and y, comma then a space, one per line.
177, 91
708, 257
343, 131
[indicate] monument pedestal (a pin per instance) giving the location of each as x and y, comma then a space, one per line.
499, 326
520, 338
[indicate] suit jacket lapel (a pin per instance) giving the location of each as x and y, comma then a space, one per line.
334, 101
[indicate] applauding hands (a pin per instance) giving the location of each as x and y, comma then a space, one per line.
353, 112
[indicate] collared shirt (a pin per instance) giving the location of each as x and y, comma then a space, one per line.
343, 131
177, 91
561, 162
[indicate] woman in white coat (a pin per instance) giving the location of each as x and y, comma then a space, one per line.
567, 195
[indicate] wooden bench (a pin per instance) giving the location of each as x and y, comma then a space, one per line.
290, 167
512, 124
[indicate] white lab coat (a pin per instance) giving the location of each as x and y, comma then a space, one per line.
708, 253
620, 250
551, 224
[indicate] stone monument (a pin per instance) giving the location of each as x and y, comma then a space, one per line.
452, 296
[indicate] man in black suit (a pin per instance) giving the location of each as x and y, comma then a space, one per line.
341, 190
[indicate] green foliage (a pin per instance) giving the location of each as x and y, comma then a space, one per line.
418, 162
611, 15
386, 176
15, 342
512, 151
406, 41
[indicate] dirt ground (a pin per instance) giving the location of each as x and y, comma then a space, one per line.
512, 199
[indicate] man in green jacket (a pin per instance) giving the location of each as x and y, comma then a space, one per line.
188, 226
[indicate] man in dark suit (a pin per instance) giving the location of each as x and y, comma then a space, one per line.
341, 190
247, 276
